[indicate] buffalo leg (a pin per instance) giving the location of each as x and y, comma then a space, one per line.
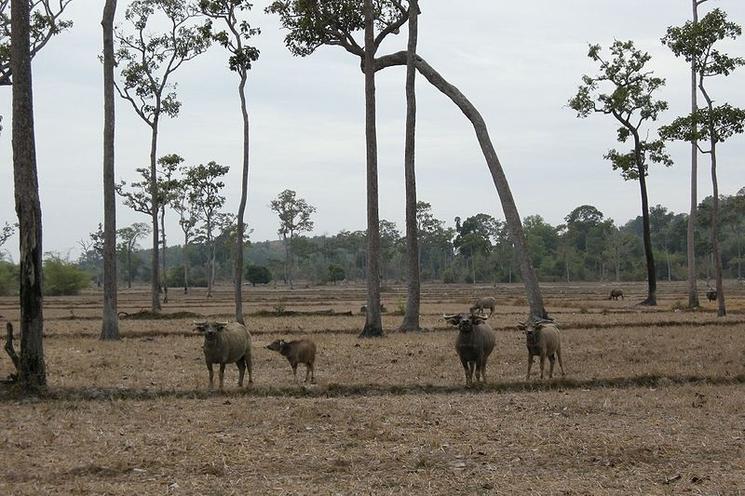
222, 375
561, 365
241, 370
467, 370
543, 363
212, 375
530, 364
551, 360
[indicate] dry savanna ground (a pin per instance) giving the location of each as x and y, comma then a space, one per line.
653, 401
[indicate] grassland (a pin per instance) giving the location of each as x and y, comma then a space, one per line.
653, 401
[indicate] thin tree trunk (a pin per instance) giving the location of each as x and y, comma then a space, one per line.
715, 252
212, 269
717, 255
164, 274
669, 267
32, 372
413, 296
210, 263
373, 322
691, 243
238, 276
110, 323
155, 261
651, 299
288, 261
185, 257
512, 216
129, 268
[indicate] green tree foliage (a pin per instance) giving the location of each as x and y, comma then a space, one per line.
336, 273
8, 278
63, 278
205, 186
258, 274
294, 217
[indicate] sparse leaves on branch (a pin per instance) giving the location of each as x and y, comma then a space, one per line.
237, 34
148, 59
46, 21
6, 232
624, 88
695, 42
312, 24
720, 123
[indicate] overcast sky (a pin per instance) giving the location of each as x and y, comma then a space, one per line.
518, 62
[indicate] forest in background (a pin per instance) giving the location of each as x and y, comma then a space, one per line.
587, 247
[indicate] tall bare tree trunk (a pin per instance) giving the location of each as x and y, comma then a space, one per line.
373, 322
164, 273
691, 238
716, 253
155, 259
512, 216
32, 372
185, 257
238, 276
129, 268
651, 299
110, 324
413, 296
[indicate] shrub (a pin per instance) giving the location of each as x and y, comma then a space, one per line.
8, 278
449, 276
258, 274
63, 278
197, 277
336, 273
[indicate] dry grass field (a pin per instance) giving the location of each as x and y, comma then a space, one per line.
653, 401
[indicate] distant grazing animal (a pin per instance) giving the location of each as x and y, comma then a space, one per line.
616, 294
544, 340
474, 344
711, 294
482, 304
226, 343
299, 351
363, 309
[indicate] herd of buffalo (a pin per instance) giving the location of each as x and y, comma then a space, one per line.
231, 343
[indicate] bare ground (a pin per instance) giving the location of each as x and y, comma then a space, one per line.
653, 402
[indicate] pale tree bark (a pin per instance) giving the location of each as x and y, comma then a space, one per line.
691, 243
32, 372
373, 322
110, 324
238, 276
155, 208
185, 256
164, 269
413, 297
512, 216
715, 251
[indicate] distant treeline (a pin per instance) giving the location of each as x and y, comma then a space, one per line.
587, 247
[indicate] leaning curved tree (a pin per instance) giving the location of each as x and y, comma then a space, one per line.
313, 24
